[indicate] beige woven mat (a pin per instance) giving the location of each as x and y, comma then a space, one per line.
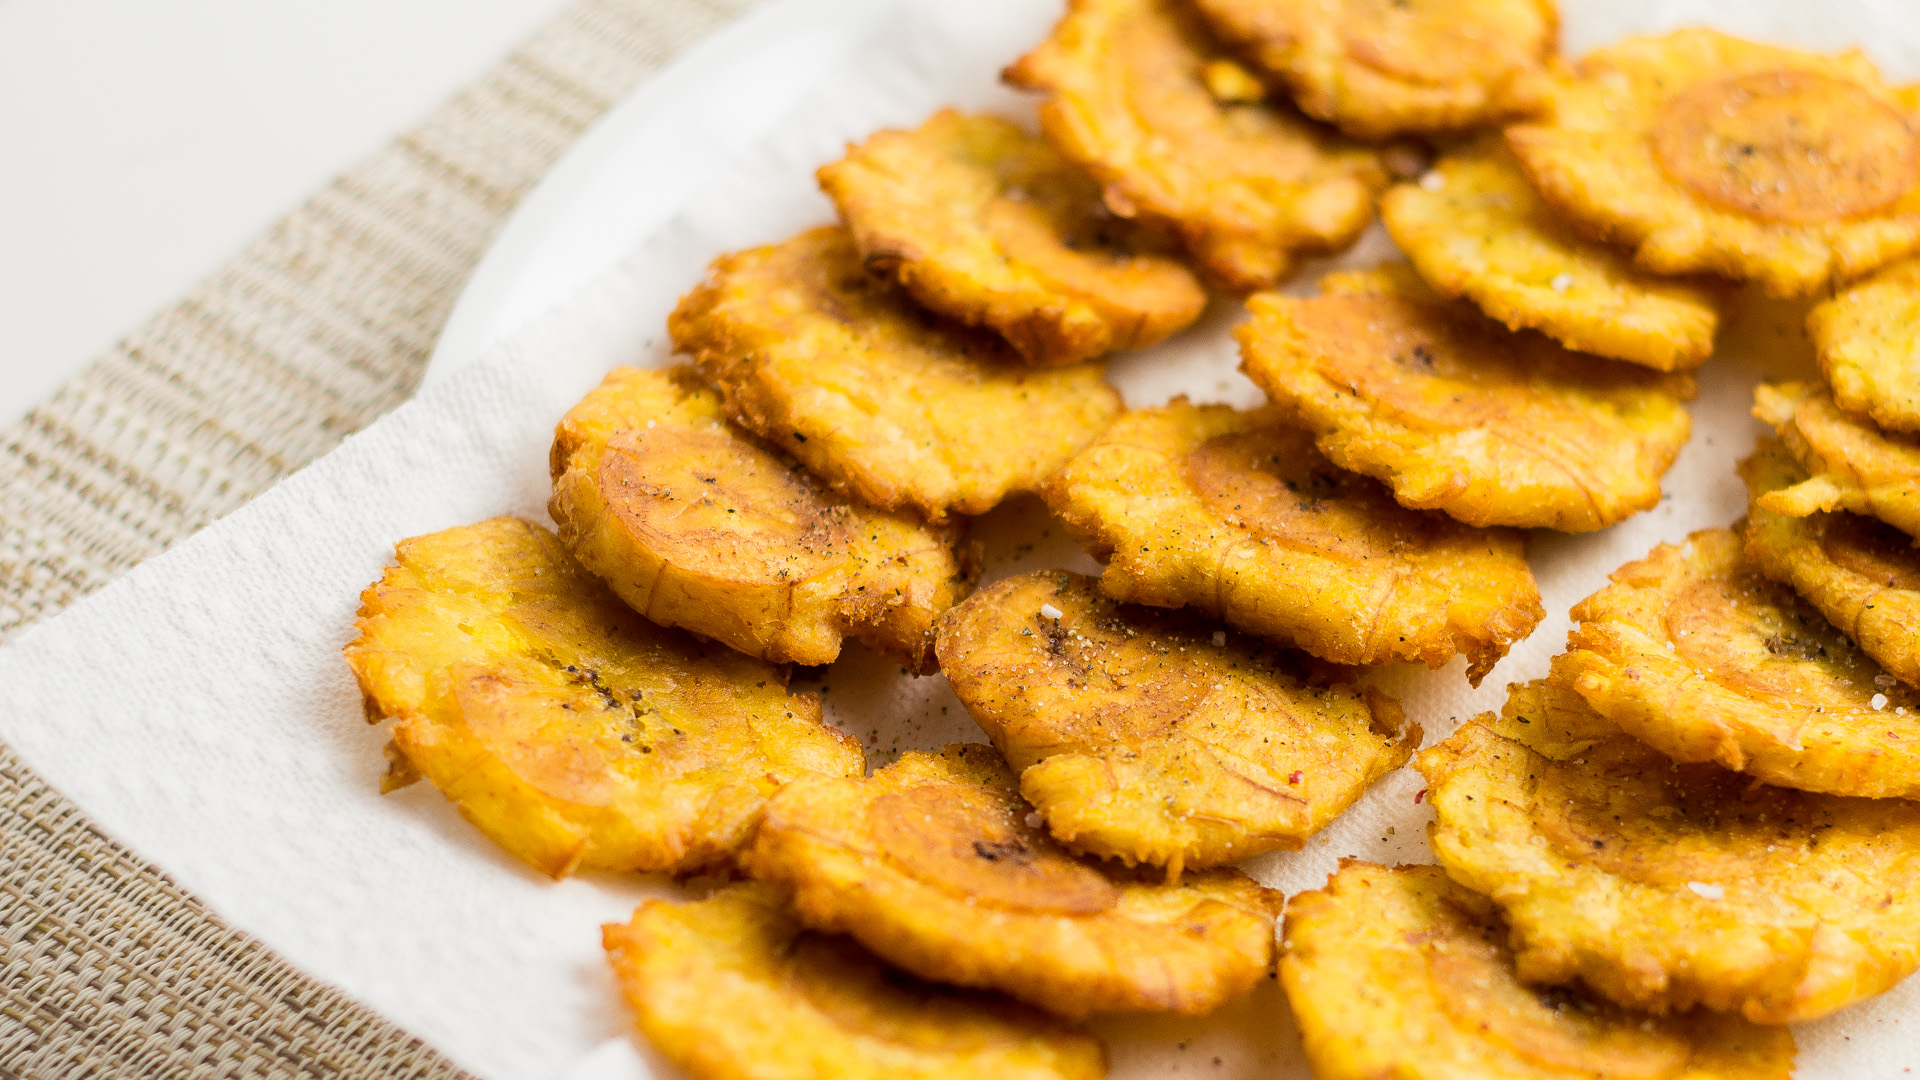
324, 323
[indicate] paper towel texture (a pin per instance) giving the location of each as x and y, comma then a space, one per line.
199, 709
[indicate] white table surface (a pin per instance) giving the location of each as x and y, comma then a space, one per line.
142, 142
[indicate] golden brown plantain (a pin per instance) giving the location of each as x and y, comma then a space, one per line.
1236, 515
1178, 134
1379, 68
1475, 228
1863, 575
1402, 973
732, 988
1456, 413
1709, 154
1693, 651
696, 524
847, 374
936, 864
986, 224
569, 730
1149, 736
1854, 465
1665, 886
1864, 340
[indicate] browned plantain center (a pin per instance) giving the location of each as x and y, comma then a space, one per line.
717, 506
970, 843
1755, 637
1788, 146
1275, 484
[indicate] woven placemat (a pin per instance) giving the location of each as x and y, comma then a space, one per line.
324, 323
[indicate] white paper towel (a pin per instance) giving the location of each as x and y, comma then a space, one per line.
199, 711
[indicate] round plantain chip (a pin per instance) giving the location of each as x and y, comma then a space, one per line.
733, 988
986, 224
1180, 135
843, 371
1379, 68
1236, 515
1709, 154
1665, 886
937, 864
572, 732
1475, 228
1402, 973
1862, 574
1695, 652
695, 524
1148, 736
1854, 465
1864, 342
1456, 413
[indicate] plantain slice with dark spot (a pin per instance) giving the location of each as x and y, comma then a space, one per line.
571, 731
1238, 516
1863, 574
876, 396
937, 865
1152, 737
732, 987
1404, 973
1694, 651
989, 225
696, 524
1667, 886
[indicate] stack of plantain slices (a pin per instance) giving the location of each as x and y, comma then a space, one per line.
1703, 825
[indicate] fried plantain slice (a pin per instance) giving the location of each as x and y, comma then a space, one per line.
986, 224
1236, 515
569, 730
1854, 465
845, 373
1863, 575
1149, 736
936, 864
1864, 341
1693, 651
1709, 154
733, 988
1402, 973
1456, 413
1666, 886
695, 524
1475, 228
1179, 135
1380, 68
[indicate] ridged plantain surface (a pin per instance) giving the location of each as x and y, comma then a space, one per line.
1853, 465
937, 865
1238, 516
1863, 575
732, 987
1694, 651
1709, 154
1143, 97
989, 225
1667, 886
1474, 227
899, 409
571, 731
694, 523
1153, 737
1402, 973
1456, 413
